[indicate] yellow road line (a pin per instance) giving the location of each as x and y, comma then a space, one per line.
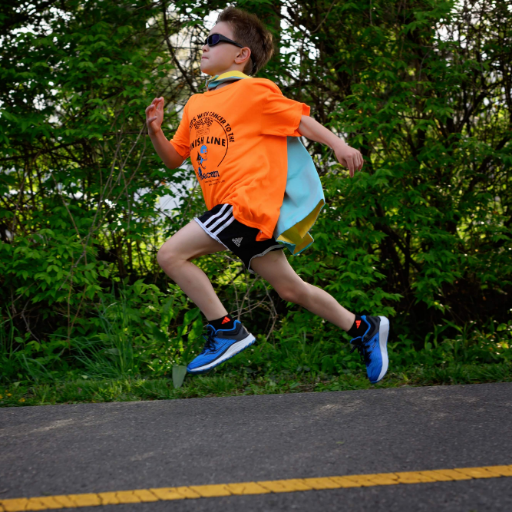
276, 486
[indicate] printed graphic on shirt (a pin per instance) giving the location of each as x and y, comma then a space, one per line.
201, 161
210, 136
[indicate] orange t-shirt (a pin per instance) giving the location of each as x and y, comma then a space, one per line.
236, 139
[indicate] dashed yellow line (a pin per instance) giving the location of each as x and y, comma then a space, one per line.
276, 486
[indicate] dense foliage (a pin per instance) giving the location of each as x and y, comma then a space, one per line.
423, 234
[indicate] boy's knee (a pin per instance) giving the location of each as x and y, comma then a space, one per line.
167, 257
161, 255
295, 294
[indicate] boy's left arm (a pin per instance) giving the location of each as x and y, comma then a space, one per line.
347, 156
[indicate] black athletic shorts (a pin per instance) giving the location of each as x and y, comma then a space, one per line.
240, 239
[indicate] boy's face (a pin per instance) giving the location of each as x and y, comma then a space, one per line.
223, 56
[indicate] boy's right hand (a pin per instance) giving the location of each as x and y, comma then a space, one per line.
155, 116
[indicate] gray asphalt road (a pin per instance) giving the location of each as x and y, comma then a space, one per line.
81, 448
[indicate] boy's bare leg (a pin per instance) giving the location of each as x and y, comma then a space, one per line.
174, 257
275, 269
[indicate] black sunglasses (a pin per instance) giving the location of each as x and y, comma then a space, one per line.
214, 39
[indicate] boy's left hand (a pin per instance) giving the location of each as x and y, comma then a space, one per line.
349, 157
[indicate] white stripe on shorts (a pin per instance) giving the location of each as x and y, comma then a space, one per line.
220, 221
225, 225
219, 214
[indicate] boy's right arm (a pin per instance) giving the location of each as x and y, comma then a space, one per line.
154, 118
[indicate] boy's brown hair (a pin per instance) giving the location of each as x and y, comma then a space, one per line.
249, 31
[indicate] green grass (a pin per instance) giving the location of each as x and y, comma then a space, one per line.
232, 383
134, 359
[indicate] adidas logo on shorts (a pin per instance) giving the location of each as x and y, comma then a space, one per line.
237, 241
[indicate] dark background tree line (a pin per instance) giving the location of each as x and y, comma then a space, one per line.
422, 88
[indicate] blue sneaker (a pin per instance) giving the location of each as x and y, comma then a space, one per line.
373, 346
220, 346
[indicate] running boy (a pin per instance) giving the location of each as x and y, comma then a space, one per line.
236, 135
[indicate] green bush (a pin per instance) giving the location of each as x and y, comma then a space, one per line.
422, 235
